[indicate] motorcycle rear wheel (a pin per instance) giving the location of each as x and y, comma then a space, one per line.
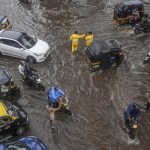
41, 87
132, 133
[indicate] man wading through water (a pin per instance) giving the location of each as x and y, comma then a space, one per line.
74, 38
52, 109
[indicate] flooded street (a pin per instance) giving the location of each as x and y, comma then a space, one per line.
97, 99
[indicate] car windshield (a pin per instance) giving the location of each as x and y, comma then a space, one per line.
11, 110
17, 146
27, 41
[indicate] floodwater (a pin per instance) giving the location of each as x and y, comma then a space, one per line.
97, 99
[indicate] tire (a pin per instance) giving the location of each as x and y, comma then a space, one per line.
41, 87
1, 53
20, 130
31, 59
132, 133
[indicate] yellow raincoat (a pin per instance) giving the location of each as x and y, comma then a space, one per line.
89, 39
74, 38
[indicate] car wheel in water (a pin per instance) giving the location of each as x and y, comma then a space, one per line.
31, 59
1, 53
20, 130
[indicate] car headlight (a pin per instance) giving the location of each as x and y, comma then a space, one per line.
38, 54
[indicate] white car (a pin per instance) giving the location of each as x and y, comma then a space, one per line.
22, 45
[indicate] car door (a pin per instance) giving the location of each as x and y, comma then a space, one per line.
17, 50
12, 48
4, 47
6, 125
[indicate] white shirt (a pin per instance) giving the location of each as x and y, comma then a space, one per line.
21, 69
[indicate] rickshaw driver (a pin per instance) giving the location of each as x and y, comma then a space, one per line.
7, 86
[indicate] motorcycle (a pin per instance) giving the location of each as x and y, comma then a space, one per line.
133, 125
54, 94
147, 59
35, 82
139, 29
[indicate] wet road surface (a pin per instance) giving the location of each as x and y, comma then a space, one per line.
97, 99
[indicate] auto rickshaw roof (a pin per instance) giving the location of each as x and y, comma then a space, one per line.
105, 47
2, 18
4, 77
132, 3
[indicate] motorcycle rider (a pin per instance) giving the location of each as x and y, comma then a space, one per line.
51, 110
28, 72
55, 97
133, 111
21, 68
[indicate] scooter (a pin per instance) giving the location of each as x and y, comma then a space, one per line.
133, 125
147, 59
35, 82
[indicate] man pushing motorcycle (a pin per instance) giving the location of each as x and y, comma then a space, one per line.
133, 112
57, 101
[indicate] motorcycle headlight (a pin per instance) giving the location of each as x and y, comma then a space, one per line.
135, 126
38, 80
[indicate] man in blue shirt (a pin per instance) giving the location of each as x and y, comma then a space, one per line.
133, 111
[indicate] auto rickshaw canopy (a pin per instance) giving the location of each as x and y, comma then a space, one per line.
100, 49
4, 77
127, 6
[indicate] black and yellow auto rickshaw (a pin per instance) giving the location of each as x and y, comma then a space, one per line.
128, 12
4, 23
13, 120
8, 89
104, 54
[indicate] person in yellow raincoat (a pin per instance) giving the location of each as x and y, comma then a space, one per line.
89, 39
74, 38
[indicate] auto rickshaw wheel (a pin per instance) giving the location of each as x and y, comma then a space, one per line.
31, 59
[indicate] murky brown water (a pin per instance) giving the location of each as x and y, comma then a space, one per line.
97, 100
